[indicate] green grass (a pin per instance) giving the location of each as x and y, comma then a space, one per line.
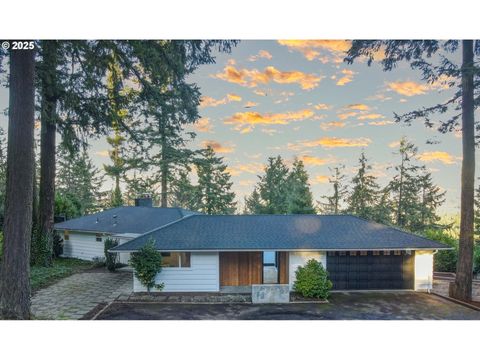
41, 277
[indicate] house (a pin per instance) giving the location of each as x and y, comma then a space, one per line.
84, 237
216, 252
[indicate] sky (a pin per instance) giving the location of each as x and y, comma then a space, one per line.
299, 99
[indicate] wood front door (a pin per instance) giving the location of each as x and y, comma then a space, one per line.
241, 268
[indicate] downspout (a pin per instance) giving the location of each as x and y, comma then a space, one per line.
430, 281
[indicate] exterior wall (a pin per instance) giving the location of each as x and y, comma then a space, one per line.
82, 246
203, 275
300, 258
423, 270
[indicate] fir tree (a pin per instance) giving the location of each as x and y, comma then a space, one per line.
333, 204
139, 184
273, 188
364, 196
214, 194
431, 198
254, 204
300, 198
404, 188
3, 174
183, 193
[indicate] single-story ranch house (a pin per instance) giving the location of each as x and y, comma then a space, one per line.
209, 253
84, 237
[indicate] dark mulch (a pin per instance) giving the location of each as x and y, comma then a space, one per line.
91, 314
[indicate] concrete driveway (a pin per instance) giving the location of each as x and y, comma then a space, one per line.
342, 306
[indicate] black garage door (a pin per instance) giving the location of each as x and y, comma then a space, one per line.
371, 270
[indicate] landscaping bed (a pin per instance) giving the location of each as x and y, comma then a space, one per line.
41, 277
298, 298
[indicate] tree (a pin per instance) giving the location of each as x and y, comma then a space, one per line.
404, 188
140, 184
300, 198
431, 197
464, 102
364, 196
3, 174
253, 203
78, 178
272, 187
214, 194
477, 213
184, 193
15, 269
334, 201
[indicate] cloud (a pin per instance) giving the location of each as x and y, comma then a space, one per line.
242, 120
259, 92
250, 104
207, 101
380, 123
322, 107
346, 115
372, 116
331, 142
252, 78
361, 107
394, 144
408, 88
332, 124
323, 50
261, 54
251, 168
315, 161
246, 182
203, 125
320, 179
441, 156
103, 153
346, 78
217, 147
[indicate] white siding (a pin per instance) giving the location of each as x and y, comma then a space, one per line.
300, 258
83, 246
423, 270
203, 275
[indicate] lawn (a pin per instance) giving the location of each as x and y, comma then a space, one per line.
62, 267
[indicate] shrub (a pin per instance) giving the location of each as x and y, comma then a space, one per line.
476, 258
111, 259
1, 245
147, 263
444, 260
42, 249
312, 280
57, 245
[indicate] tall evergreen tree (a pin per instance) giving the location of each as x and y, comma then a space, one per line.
254, 204
431, 198
3, 174
300, 198
364, 195
273, 187
183, 193
15, 263
333, 204
214, 194
79, 178
466, 76
140, 184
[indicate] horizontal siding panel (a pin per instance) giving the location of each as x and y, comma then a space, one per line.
203, 275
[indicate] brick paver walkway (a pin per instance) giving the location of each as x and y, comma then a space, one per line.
76, 295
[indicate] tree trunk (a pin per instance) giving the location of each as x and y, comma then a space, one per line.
15, 266
463, 282
47, 140
164, 169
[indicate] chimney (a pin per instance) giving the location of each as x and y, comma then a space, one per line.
144, 200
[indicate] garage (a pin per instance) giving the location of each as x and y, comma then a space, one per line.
371, 270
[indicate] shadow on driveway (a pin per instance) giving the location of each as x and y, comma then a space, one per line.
342, 306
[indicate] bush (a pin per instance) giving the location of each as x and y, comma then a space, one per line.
444, 260
476, 258
57, 245
312, 280
42, 249
111, 259
1, 245
147, 263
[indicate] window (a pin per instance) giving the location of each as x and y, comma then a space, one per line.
66, 235
353, 253
397, 252
176, 259
363, 253
343, 253
387, 252
98, 237
376, 253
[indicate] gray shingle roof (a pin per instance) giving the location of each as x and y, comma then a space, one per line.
125, 219
277, 232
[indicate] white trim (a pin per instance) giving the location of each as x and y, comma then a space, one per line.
251, 250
